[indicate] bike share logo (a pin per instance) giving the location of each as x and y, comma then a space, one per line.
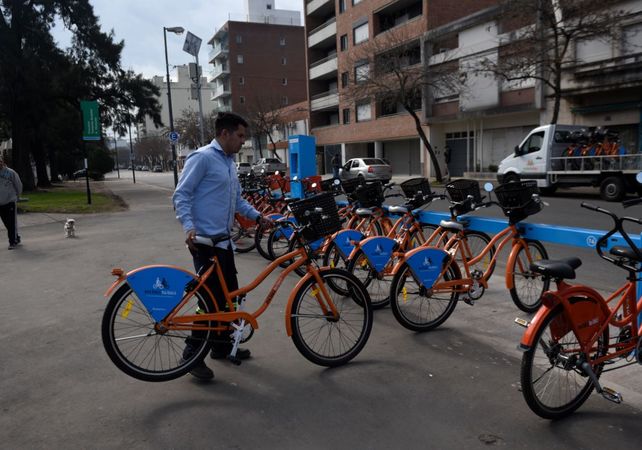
378, 250
427, 264
160, 288
591, 241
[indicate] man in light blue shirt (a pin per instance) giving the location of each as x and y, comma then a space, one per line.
206, 199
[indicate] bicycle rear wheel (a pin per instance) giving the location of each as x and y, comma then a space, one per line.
553, 384
416, 307
322, 338
243, 236
528, 286
136, 348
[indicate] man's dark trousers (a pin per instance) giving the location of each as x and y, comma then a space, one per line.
9, 219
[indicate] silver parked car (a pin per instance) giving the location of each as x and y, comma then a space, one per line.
243, 168
269, 165
367, 169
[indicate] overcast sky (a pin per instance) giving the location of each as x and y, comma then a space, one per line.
140, 24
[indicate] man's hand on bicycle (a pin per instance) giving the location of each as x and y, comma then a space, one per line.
189, 240
265, 222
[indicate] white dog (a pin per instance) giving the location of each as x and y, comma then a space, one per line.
70, 228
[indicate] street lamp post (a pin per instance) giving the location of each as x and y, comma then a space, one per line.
176, 30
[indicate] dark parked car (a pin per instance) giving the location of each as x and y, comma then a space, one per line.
157, 169
96, 176
367, 169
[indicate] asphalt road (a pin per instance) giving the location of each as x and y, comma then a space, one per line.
455, 387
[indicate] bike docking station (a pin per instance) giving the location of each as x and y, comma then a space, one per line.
555, 234
303, 164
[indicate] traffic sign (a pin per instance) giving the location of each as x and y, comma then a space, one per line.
173, 137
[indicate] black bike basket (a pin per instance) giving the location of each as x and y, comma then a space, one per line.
516, 199
350, 185
459, 191
327, 185
320, 224
369, 195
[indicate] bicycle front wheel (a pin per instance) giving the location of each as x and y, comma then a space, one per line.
322, 338
418, 308
243, 236
528, 286
377, 283
261, 241
137, 348
553, 384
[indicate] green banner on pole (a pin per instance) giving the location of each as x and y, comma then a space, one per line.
90, 120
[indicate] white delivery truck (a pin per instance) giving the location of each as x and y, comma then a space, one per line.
570, 155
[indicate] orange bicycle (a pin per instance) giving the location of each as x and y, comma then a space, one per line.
568, 345
153, 309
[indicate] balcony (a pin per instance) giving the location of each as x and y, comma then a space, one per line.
219, 71
324, 68
324, 35
325, 100
221, 92
218, 51
319, 7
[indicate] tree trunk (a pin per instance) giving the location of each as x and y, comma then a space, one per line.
20, 158
276, 155
41, 164
429, 149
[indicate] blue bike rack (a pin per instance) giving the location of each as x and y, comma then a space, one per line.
555, 234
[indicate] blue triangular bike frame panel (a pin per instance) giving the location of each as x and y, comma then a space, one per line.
160, 289
378, 250
343, 240
426, 265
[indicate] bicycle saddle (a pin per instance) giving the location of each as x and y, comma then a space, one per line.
624, 252
397, 209
451, 225
364, 212
561, 268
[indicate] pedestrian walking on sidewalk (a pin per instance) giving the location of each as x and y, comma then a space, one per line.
336, 164
10, 190
206, 199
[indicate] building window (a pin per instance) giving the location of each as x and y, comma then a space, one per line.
268, 6
346, 116
360, 33
354, 2
361, 72
241, 80
284, 81
363, 111
284, 61
342, 6
284, 100
242, 99
239, 39
344, 79
239, 59
343, 42
282, 41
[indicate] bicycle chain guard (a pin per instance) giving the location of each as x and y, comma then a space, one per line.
378, 250
344, 241
427, 264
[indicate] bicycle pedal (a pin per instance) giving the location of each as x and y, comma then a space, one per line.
469, 301
611, 395
234, 360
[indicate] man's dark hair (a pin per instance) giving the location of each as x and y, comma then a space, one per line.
228, 121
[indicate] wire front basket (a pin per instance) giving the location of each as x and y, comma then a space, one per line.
350, 185
460, 190
322, 223
516, 199
414, 188
369, 195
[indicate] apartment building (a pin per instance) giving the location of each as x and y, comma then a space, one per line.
334, 31
257, 67
483, 120
184, 98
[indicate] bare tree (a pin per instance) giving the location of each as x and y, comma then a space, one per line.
188, 126
265, 114
542, 49
388, 70
153, 149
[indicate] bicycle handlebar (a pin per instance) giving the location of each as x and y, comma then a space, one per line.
601, 242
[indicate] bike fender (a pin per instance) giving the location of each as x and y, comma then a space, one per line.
510, 263
528, 339
378, 251
344, 241
427, 264
288, 308
160, 288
